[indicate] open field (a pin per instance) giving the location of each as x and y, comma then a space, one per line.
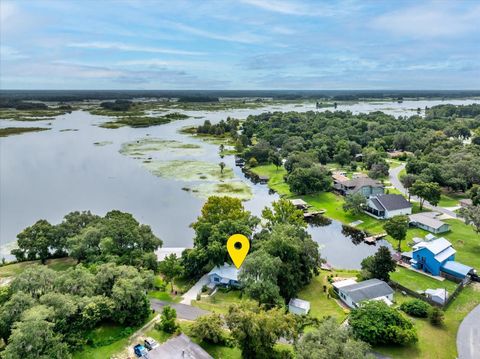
419, 282
58, 264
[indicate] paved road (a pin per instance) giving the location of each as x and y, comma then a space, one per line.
184, 311
468, 336
393, 176
192, 293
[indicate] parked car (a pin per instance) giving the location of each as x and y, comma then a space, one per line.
150, 343
140, 351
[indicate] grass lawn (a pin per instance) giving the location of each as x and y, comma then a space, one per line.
219, 302
417, 281
275, 176
58, 264
451, 199
320, 304
434, 342
466, 241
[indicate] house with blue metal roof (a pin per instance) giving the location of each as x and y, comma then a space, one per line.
225, 276
437, 257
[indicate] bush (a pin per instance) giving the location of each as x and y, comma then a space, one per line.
209, 328
416, 308
332, 293
436, 316
167, 321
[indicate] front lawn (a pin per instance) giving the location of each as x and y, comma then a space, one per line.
419, 282
219, 302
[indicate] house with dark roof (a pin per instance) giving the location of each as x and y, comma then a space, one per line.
428, 221
388, 205
373, 289
179, 347
364, 185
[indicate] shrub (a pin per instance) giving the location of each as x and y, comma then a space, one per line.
167, 321
332, 292
416, 308
436, 316
209, 328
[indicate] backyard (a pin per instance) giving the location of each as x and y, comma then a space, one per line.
419, 282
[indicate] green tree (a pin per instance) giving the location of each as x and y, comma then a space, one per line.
426, 191
34, 280
396, 227
408, 180
471, 214
436, 316
252, 162
209, 328
309, 180
97, 309
474, 194
377, 323
379, 265
171, 268
330, 340
275, 159
168, 320
283, 212
416, 307
131, 303
259, 276
11, 311
355, 203
34, 337
256, 331
76, 281
34, 242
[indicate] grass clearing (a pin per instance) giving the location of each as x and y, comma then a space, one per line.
14, 269
220, 301
419, 282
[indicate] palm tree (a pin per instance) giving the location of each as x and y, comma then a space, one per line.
222, 166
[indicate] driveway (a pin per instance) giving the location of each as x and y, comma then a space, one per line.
468, 336
184, 311
192, 293
393, 177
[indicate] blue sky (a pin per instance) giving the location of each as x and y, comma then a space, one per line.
242, 44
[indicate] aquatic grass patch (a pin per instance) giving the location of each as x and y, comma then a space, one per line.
144, 146
103, 143
10, 131
141, 120
32, 115
188, 170
237, 189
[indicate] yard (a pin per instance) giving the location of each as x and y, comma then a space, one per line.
419, 282
219, 302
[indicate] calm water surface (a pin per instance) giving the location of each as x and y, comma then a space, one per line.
48, 174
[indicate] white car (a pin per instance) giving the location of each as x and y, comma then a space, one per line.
150, 343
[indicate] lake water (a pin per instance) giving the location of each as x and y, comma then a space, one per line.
50, 173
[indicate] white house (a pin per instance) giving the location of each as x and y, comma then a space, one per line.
226, 276
373, 289
298, 306
388, 205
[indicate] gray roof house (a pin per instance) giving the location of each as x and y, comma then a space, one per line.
180, 347
226, 276
298, 306
428, 222
365, 185
372, 289
388, 205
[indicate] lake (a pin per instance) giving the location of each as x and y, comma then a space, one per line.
44, 175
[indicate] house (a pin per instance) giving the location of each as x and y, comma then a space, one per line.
342, 283
225, 276
299, 204
373, 289
428, 222
339, 177
388, 205
180, 347
298, 306
431, 256
439, 295
364, 185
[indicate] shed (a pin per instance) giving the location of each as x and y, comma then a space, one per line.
298, 306
456, 269
439, 295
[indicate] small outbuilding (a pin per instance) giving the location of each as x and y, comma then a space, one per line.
299, 204
439, 295
428, 222
298, 306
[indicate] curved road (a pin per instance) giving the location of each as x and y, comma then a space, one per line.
468, 336
393, 177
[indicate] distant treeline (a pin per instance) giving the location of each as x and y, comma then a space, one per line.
446, 111
213, 95
117, 105
21, 105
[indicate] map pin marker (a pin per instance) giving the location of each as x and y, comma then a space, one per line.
238, 246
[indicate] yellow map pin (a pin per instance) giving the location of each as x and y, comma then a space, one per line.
238, 246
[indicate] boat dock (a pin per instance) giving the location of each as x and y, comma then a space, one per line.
307, 215
373, 239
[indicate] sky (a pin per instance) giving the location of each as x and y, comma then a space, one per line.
241, 44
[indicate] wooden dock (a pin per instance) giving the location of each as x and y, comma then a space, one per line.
373, 239
307, 215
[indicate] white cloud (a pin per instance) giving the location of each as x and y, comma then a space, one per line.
287, 7
431, 20
9, 53
132, 48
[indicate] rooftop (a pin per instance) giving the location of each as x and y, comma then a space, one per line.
436, 246
180, 347
426, 219
392, 202
299, 303
298, 202
226, 271
344, 283
457, 267
368, 289
360, 182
